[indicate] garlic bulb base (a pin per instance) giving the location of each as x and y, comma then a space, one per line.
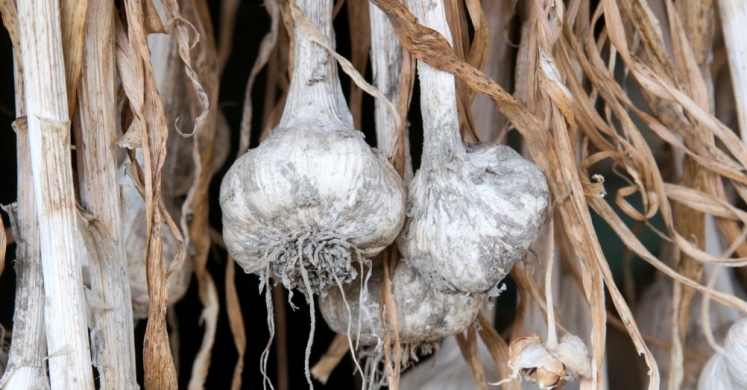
372, 357
313, 261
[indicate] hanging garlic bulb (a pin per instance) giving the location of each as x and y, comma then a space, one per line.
313, 201
423, 314
313, 197
473, 212
727, 369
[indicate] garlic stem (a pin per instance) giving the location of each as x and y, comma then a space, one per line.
386, 65
438, 98
315, 92
95, 132
49, 136
27, 356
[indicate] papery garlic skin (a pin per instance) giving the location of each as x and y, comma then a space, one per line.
311, 195
423, 314
471, 221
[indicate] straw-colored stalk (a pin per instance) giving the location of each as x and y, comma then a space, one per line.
489, 122
387, 65
112, 337
49, 134
733, 19
26, 360
691, 29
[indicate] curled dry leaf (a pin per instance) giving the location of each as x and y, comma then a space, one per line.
545, 367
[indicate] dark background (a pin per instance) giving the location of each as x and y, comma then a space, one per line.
251, 25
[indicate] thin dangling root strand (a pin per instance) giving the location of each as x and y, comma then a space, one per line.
350, 320
265, 282
310, 299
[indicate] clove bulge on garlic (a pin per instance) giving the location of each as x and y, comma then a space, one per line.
313, 202
473, 211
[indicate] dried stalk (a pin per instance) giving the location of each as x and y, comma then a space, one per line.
733, 19
196, 206
49, 135
281, 337
468, 347
26, 360
26, 365
360, 41
392, 75
387, 66
147, 130
335, 352
112, 335
228, 12
690, 224
265, 50
236, 321
74, 13
489, 122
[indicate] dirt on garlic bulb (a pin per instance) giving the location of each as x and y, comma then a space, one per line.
474, 211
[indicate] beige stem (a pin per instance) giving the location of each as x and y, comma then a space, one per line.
112, 334
27, 352
315, 92
49, 134
438, 101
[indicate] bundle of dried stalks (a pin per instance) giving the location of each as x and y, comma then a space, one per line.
579, 68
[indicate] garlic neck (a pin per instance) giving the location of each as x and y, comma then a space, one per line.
438, 95
315, 92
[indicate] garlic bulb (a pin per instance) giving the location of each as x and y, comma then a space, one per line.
314, 197
472, 212
727, 369
313, 201
423, 314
